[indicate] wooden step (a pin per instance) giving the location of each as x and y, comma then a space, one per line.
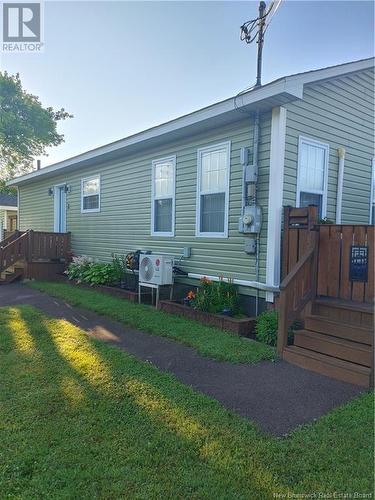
343, 311
347, 350
329, 366
11, 277
342, 330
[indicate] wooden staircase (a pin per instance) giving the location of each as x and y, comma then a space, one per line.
337, 341
33, 254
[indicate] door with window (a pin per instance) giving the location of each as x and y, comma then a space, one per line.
60, 209
312, 175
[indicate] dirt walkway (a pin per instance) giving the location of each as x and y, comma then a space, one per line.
277, 396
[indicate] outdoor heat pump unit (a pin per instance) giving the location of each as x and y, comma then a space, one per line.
156, 269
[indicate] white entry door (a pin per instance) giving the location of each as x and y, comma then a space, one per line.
59, 209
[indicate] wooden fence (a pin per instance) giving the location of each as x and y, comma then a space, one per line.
334, 256
334, 246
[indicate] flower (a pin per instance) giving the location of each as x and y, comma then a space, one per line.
205, 281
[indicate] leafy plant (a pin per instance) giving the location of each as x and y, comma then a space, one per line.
83, 269
78, 266
267, 325
119, 267
99, 274
215, 296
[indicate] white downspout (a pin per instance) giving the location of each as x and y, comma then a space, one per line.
340, 183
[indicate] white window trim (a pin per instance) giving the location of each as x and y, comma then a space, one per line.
171, 159
90, 178
207, 149
313, 142
372, 191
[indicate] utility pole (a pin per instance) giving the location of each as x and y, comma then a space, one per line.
261, 24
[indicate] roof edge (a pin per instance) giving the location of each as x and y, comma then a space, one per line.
291, 85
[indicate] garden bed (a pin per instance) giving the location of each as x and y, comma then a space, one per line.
115, 291
241, 326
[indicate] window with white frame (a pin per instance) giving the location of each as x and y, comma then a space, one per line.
372, 194
312, 174
163, 196
213, 190
90, 194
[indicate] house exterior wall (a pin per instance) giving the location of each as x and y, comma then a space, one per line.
124, 221
339, 112
5, 216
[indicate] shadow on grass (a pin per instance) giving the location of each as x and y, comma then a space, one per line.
93, 420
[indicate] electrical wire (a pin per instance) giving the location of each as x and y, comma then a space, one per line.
278, 3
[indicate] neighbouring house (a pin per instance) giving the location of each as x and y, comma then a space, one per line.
191, 183
8, 214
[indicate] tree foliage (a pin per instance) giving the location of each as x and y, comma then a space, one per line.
26, 127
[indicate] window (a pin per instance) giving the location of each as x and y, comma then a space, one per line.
312, 174
163, 196
90, 194
372, 194
213, 190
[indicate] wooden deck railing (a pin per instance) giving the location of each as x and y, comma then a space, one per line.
9, 237
296, 290
300, 254
13, 252
33, 246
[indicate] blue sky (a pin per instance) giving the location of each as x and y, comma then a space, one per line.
121, 67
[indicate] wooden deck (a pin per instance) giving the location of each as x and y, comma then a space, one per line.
337, 339
33, 254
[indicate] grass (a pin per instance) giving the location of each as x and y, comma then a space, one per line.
208, 341
81, 419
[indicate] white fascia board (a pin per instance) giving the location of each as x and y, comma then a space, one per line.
332, 72
230, 105
290, 85
8, 207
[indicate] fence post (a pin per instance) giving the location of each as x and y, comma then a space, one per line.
285, 247
282, 331
30, 241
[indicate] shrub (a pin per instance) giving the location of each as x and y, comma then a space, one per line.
215, 296
83, 269
266, 327
119, 267
78, 266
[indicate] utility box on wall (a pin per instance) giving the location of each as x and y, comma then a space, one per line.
251, 220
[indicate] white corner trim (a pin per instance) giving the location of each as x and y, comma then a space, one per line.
275, 199
372, 191
340, 184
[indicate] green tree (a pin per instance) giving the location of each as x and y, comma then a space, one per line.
26, 128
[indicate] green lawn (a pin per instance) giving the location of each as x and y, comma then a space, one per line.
207, 340
81, 419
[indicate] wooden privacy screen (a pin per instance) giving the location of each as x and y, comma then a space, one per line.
335, 242
298, 237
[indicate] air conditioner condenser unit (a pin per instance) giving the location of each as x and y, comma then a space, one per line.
156, 269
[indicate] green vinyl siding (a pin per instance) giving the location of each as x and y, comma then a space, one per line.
124, 222
339, 112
